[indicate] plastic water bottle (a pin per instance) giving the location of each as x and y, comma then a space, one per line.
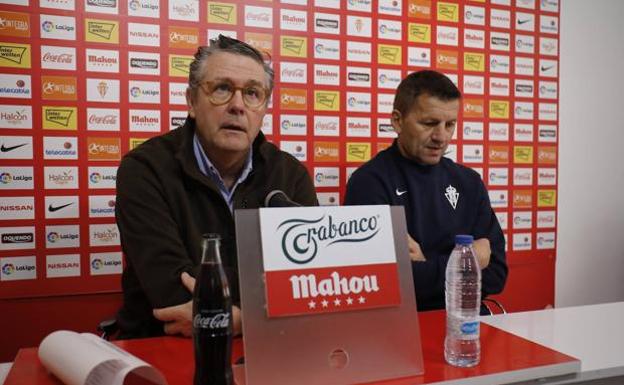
463, 302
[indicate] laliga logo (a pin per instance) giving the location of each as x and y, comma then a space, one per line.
8, 269
97, 264
95, 177
47, 26
135, 92
5, 178
53, 237
301, 237
134, 5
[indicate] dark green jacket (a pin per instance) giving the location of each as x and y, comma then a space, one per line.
164, 205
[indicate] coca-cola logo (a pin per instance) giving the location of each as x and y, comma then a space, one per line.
295, 73
301, 237
326, 125
217, 321
447, 35
104, 119
263, 17
61, 58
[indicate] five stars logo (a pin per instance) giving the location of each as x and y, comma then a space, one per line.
452, 195
337, 302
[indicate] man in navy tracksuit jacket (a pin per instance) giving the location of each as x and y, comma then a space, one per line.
441, 198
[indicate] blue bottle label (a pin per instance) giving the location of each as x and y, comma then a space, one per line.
462, 328
470, 328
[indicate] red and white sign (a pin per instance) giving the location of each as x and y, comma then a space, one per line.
328, 259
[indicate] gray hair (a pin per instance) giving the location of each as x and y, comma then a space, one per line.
230, 45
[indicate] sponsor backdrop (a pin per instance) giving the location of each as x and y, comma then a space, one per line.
84, 81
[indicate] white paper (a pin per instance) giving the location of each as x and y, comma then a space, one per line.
86, 359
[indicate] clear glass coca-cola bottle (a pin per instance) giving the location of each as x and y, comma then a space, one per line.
212, 318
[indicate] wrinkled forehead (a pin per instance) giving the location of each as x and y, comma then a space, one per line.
235, 68
432, 107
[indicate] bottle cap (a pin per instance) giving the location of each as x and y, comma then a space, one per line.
463, 239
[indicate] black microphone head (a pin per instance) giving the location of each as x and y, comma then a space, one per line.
270, 196
278, 198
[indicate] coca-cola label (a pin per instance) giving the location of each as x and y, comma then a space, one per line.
328, 259
58, 58
326, 126
217, 321
260, 17
291, 72
103, 119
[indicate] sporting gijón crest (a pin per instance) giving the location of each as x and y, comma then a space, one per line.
328, 259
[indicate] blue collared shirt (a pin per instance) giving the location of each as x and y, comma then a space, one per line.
208, 169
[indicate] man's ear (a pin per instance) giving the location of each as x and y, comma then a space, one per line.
189, 102
396, 119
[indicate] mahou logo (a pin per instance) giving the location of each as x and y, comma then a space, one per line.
328, 259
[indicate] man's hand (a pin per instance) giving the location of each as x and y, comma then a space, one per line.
179, 319
414, 250
482, 250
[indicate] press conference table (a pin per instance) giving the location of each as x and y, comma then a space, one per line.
594, 334
506, 358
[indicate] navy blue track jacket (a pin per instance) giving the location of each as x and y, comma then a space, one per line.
427, 193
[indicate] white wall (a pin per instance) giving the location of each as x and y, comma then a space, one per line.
590, 246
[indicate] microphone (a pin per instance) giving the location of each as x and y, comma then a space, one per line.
277, 198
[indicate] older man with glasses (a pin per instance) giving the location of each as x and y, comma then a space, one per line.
177, 186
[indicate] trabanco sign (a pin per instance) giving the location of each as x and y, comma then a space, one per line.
328, 259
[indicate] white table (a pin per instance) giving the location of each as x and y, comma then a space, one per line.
4, 371
594, 334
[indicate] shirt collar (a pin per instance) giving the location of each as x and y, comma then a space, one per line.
207, 167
